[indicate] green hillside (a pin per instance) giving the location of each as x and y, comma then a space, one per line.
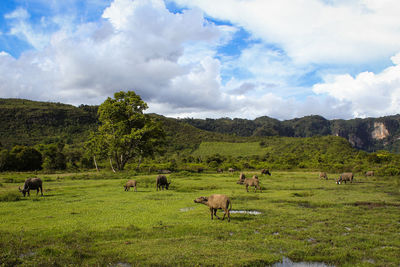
26, 122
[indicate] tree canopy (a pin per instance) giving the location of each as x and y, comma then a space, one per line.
125, 132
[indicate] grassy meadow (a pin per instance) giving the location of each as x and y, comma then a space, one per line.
87, 219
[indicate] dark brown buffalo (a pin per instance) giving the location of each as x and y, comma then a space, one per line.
265, 171
162, 182
32, 184
215, 202
219, 170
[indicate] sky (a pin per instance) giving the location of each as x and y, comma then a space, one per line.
207, 59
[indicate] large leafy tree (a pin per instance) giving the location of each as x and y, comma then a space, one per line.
126, 132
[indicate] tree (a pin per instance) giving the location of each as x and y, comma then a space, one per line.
125, 132
27, 158
54, 158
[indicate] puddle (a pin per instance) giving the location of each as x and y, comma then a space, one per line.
286, 262
186, 209
122, 264
252, 212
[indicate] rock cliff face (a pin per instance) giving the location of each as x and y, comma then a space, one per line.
380, 131
369, 134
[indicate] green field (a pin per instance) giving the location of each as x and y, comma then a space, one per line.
89, 220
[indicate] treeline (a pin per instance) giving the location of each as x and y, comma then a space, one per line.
49, 157
329, 153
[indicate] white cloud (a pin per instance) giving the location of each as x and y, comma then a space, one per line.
316, 31
140, 46
368, 94
172, 60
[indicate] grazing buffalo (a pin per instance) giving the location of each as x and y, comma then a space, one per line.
215, 202
219, 170
250, 182
323, 175
162, 182
231, 170
346, 176
265, 171
369, 173
32, 184
129, 184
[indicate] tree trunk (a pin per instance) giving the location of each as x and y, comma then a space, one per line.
112, 167
95, 163
140, 161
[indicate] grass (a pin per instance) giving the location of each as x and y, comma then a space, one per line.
89, 220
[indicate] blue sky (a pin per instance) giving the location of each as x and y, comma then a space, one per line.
204, 58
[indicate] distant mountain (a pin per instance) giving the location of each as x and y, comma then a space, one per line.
29, 122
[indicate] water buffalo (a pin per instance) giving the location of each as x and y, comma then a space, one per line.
369, 173
231, 170
129, 184
323, 175
346, 176
32, 184
162, 182
215, 202
265, 171
219, 170
250, 182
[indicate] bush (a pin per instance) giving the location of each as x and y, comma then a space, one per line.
388, 171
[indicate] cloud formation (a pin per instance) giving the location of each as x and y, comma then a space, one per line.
299, 58
368, 94
316, 31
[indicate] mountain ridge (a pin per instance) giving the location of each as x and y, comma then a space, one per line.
29, 122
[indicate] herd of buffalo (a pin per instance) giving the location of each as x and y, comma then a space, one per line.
214, 202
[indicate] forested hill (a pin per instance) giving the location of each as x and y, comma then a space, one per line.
25, 122
368, 134
28, 122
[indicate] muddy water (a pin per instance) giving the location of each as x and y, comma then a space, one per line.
252, 212
286, 262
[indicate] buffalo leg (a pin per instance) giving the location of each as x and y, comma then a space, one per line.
215, 213
226, 212
247, 187
211, 209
